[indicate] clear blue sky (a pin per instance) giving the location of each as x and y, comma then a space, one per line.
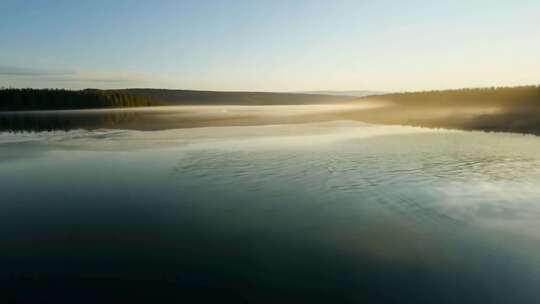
269, 45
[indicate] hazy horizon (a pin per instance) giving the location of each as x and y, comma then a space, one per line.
263, 46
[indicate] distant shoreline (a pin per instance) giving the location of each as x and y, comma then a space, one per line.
59, 99
515, 109
506, 109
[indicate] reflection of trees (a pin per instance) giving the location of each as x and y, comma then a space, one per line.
51, 121
510, 121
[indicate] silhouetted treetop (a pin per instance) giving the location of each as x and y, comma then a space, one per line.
59, 99
507, 97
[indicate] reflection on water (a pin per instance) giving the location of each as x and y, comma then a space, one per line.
327, 212
64, 121
170, 117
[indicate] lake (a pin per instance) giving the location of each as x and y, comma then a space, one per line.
303, 211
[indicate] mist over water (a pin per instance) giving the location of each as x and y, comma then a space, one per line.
317, 212
171, 117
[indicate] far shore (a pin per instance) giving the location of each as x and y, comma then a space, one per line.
514, 110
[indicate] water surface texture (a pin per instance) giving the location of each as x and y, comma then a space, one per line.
330, 212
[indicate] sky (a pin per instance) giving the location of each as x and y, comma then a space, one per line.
274, 45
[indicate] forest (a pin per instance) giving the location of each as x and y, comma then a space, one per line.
507, 97
507, 109
60, 99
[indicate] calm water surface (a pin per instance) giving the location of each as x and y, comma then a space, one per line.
334, 212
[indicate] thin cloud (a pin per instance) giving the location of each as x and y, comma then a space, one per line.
90, 79
24, 71
42, 77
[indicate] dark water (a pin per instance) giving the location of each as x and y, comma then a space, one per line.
336, 212
172, 117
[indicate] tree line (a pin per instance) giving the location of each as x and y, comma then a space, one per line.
60, 99
507, 97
